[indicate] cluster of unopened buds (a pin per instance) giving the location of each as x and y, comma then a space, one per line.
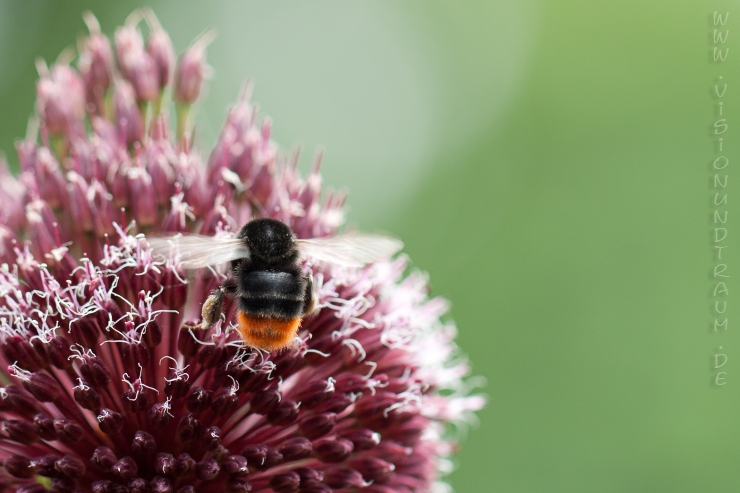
105, 392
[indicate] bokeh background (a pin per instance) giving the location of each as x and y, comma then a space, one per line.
547, 162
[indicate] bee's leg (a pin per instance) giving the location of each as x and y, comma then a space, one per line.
211, 311
309, 297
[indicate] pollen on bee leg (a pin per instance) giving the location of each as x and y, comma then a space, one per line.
211, 311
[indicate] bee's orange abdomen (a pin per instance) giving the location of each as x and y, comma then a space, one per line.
267, 333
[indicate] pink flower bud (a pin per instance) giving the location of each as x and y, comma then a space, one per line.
141, 196
191, 70
126, 113
136, 65
160, 49
60, 100
95, 65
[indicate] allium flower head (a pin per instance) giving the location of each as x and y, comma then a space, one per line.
104, 390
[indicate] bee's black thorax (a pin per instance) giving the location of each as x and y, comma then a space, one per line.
270, 282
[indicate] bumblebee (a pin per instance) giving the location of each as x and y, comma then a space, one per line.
272, 291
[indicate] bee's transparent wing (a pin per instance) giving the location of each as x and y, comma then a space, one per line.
350, 249
196, 251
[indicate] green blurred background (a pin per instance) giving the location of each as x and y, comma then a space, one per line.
549, 163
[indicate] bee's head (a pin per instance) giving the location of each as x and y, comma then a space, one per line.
268, 239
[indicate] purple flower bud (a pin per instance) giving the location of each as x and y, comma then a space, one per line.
362, 438
160, 49
234, 485
235, 465
39, 347
342, 477
188, 428
95, 65
87, 397
262, 457
63, 485
127, 115
225, 401
190, 72
212, 356
77, 189
286, 413
135, 399
295, 448
110, 422
141, 196
44, 465
337, 404
161, 485
207, 469
333, 451
68, 431
43, 425
136, 65
143, 443
18, 349
210, 438
138, 485
198, 399
177, 385
94, 371
186, 489
125, 468
70, 466
103, 459
20, 431
18, 466
159, 415
164, 464
14, 399
184, 466
266, 401
314, 393
287, 482
309, 477
372, 468
39, 384
59, 353
60, 100
318, 425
